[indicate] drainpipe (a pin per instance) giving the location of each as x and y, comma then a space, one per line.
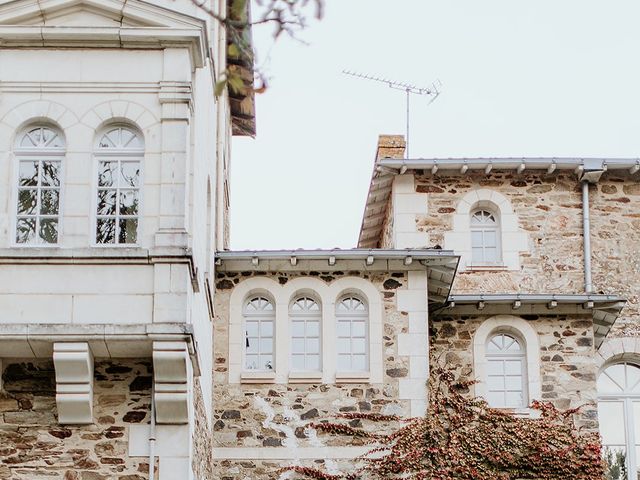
586, 232
152, 435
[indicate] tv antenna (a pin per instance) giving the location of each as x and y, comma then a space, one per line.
432, 91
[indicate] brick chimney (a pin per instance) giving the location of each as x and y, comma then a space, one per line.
390, 146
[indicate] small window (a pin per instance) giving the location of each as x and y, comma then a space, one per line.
305, 317
119, 153
506, 372
39, 152
352, 323
485, 238
619, 418
259, 320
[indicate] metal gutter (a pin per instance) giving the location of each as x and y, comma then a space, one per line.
346, 254
536, 298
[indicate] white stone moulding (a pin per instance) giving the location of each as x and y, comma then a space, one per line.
73, 363
172, 382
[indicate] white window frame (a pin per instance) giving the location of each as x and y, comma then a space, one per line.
519, 328
495, 228
505, 356
351, 317
259, 318
23, 154
627, 399
327, 295
305, 317
119, 155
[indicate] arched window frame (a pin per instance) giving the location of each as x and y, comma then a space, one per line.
503, 366
513, 240
305, 310
259, 332
49, 153
357, 336
518, 328
121, 155
627, 398
484, 223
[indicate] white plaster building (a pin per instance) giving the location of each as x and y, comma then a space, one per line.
113, 170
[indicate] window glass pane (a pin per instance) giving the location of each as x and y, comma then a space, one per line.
251, 345
344, 363
313, 362
251, 329
476, 239
513, 383
636, 422
297, 329
490, 238
26, 230
633, 378
106, 230
477, 255
358, 345
251, 362
266, 328
50, 174
130, 174
344, 329
514, 400
490, 255
27, 202
617, 374
266, 345
266, 362
106, 202
313, 345
49, 202
313, 329
107, 174
28, 173
128, 202
513, 367
359, 363
359, 329
297, 345
495, 383
495, 367
128, 231
611, 419
496, 399
49, 230
343, 345
297, 362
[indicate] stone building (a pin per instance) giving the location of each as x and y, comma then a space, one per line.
477, 263
113, 176
128, 346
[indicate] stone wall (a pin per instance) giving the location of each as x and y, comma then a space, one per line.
33, 444
549, 210
253, 416
568, 370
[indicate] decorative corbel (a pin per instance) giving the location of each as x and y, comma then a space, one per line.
172, 377
74, 382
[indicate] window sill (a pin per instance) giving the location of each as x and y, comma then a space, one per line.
353, 377
305, 377
257, 377
487, 268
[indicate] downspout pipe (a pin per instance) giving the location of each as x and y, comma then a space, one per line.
586, 233
152, 435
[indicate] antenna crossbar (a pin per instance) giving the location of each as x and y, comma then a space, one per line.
432, 91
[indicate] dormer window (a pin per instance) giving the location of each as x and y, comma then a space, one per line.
485, 238
39, 151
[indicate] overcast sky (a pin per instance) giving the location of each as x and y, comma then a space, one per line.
534, 78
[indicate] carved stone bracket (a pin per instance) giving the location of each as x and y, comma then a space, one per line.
74, 382
172, 376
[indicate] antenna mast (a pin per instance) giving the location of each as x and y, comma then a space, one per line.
433, 91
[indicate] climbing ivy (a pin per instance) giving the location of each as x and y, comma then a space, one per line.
463, 438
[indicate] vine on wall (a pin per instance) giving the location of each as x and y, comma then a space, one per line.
463, 438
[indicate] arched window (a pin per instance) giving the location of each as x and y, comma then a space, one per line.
352, 324
506, 372
40, 150
619, 418
119, 152
305, 317
259, 320
485, 238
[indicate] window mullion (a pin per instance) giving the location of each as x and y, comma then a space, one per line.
631, 441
